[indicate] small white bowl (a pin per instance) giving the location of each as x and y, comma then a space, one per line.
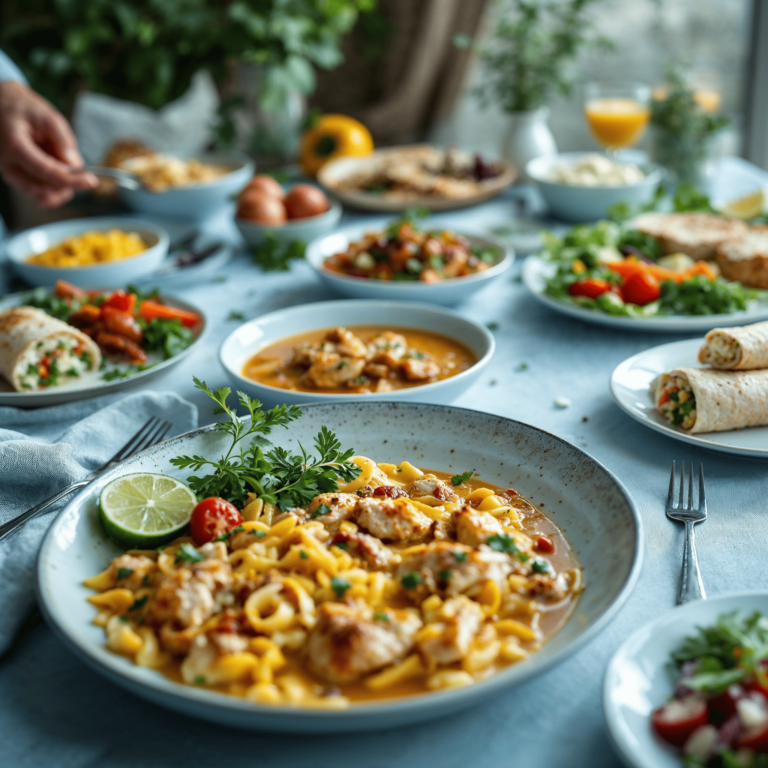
305, 230
249, 338
20, 247
197, 200
637, 679
446, 292
578, 203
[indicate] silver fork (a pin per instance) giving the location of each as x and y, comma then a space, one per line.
691, 585
153, 431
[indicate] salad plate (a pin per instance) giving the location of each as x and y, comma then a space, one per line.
631, 388
583, 499
536, 272
637, 680
113, 377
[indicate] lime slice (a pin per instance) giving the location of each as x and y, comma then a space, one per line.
746, 207
145, 510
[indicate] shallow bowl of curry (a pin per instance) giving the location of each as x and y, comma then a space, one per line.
447, 292
589, 513
259, 356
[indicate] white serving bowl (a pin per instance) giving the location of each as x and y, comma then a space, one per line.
20, 247
305, 230
583, 498
197, 200
252, 336
578, 203
446, 292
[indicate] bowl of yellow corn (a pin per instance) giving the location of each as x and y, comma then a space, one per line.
90, 252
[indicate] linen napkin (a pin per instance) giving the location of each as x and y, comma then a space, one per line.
44, 450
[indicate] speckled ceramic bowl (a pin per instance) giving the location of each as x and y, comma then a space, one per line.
582, 497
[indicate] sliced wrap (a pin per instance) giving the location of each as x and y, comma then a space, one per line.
703, 400
736, 349
38, 351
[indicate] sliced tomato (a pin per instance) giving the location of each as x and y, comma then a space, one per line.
590, 287
121, 300
65, 290
676, 720
211, 518
723, 706
544, 544
641, 288
150, 310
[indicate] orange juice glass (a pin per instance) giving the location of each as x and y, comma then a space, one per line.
617, 115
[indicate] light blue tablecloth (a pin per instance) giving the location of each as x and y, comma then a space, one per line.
56, 711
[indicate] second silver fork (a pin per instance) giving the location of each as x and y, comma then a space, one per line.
691, 585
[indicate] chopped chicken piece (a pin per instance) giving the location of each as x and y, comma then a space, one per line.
204, 651
347, 344
214, 550
384, 385
365, 546
451, 569
191, 595
547, 586
376, 370
243, 539
429, 485
392, 519
340, 505
473, 527
350, 641
443, 529
459, 620
415, 369
129, 570
329, 370
388, 348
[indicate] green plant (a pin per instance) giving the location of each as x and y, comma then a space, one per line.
147, 51
531, 49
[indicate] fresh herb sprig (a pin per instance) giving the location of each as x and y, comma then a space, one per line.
274, 474
276, 256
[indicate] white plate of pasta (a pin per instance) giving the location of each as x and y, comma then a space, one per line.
429, 575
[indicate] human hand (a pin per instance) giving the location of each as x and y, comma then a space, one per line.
38, 152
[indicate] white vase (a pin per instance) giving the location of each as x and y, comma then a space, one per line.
528, 137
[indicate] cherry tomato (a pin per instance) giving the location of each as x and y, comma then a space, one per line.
641, 289
121, 300
723, 706
590, 287
212, 517
676, 720
544, 544
754, 738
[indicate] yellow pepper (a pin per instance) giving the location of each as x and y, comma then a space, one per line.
330, 137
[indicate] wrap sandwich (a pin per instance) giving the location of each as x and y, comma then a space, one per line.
736, 349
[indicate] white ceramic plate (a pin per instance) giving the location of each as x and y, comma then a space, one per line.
536, 271
252, 336
637, 680
91, 384
333, 173
298, 229
584, 499
631, 388
446, 292
20, 247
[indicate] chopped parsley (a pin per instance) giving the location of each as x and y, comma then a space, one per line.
503, 543
522, 367
411, 580
459, 479
341, 545
445, 575
139, 603
225, 536
235, 316
145, 581
342, 364
459, 557
258, 534
199, 680
492, 326
541, 566
303, 555
339, 586
381, 616
323, 509
124, 573
188, 554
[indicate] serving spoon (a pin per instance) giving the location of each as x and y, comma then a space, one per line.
122, 178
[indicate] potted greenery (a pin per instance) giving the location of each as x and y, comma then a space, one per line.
682, 131
149, 53
527, 61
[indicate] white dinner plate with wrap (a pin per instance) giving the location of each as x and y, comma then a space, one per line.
631, 388
582, 497
94, 383
535, 274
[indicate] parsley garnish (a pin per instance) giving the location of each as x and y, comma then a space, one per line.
199, 680
341, 545
459, 479
492, 326
503, 543
258, 534
411, 580
235, 316
145, 581
339, 586
541, 566
381, 616
343, 364
138, 604
303, 555
276, 256
188, 554
322, 509
445, 575
124, 573
459, 557
286, 479
225, 536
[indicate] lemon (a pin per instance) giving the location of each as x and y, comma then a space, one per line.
746, 207
145, 510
